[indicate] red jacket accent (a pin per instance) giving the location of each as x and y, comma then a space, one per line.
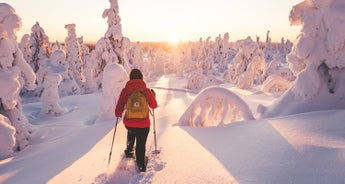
132, 85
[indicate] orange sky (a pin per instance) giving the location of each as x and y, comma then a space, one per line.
161, 20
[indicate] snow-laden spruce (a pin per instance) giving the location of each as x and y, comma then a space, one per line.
158, 64
198, 81
68, 85
7, 138
24, 46
39, 43
249, 65
52, 79
136, 56
89, 85
224, 54
275, 51
318, 59
215, 106
73, 56
112, 47
39, 53
15, 73
279, 77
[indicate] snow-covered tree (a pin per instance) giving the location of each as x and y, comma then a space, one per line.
195, 80
158, 63
209, 62
136, 56
224, 54
284, 49
278, 77
273, 67
202, 55
50, 95
89, 85
56, 46
187, 65
10, 84
84, 50
15, 73
7, 137
215, 106
68, 85
216, 49
255, 73
24, 46
177, 63
39, 47
148, 59
320, 47
269, 51
248, 66
73, 55
51, 81
276, 51
317, 59
112, 47
115, 78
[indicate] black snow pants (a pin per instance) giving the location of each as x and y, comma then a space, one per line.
140, 136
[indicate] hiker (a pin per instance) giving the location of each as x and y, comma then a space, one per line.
137, 127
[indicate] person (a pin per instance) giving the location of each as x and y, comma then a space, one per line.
137, 128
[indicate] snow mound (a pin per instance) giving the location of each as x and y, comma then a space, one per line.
114, 80
276, 83
215, 106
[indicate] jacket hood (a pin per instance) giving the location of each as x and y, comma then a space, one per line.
133, 84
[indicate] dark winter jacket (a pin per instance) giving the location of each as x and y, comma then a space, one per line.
132, 85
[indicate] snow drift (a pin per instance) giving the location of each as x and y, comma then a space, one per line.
216, 106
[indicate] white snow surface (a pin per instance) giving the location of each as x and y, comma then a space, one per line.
74, 148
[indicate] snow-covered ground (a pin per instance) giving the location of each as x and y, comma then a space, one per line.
74, 147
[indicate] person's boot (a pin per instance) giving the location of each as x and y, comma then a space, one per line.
129, 153
142, 167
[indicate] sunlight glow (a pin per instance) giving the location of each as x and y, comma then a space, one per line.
174, 38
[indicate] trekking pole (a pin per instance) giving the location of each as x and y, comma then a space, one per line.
112, 143
154, 132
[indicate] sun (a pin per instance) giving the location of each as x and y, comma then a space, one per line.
174, 38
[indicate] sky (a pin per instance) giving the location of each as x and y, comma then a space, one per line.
161, 20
